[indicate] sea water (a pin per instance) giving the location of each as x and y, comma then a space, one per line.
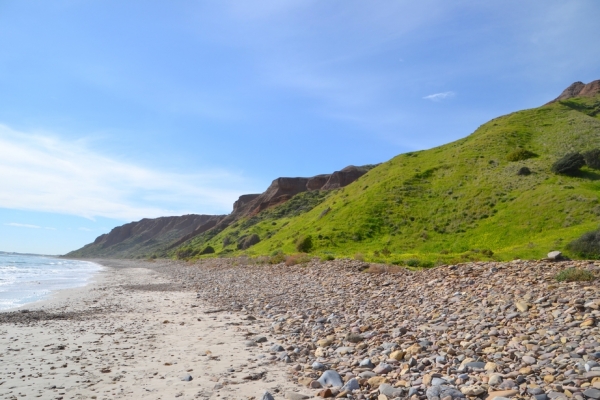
29, 278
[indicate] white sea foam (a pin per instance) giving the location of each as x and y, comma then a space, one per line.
26, 278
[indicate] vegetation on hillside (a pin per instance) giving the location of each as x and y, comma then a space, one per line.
491, 195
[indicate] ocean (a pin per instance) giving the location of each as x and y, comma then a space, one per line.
28, 278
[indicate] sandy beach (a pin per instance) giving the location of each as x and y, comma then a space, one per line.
131, 334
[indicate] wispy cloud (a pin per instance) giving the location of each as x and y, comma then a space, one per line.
40, 172
440, 96
18, 225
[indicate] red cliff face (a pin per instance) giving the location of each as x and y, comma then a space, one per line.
344, 177
144, 237
579, 89
283, 189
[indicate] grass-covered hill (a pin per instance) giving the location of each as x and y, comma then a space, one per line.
463, 200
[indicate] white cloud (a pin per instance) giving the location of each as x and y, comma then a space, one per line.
43, 173
440, 96
18, 225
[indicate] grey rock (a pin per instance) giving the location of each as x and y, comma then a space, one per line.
528, 359
367, 374
444, 391
295, 396
541, 396
186, 378
331, 377
351, 385
260, 339
590, 364
389, 390
317, 366
555, 255
277, 348
495, 379
592, 393
475, 364
366, 363
250, 343
267, 396
412, 391
438, 381
382, 368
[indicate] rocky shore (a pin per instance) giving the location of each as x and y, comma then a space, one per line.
336, 329
476, 330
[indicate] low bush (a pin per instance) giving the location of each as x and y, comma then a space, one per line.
359, 257
304, 244
413, 262
248, 241
384, 268
327, 257
295, 259
592, 158
587, 245
524, 171
568, 164
185, 252
520, 155
277, 257
574, 275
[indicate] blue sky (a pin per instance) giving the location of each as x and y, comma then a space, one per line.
113, 111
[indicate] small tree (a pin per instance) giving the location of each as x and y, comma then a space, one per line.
248, 241
520, 155
592, 158
587, 245
569, 164
207, 250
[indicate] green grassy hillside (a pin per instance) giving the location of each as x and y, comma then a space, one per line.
460, 201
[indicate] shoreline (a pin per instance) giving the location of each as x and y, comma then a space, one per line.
132, 333
55, 295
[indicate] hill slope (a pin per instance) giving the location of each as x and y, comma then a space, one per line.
147, 236
463, 200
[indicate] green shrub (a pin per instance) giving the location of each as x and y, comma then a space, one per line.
520, 155
574, 275
587, 245
568, 164
207, 250
426, 264
359, 257
227, 241
413, 262
592, 158
524, 171
184, 253
328, 257
304, 244
277, 257
487, 252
